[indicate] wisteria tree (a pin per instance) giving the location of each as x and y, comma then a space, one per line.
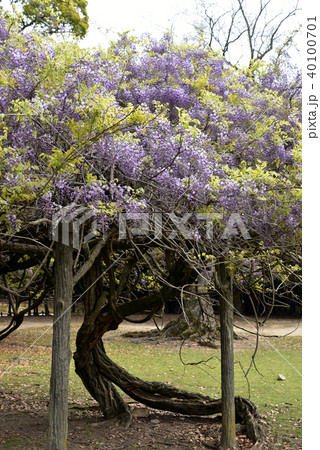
185, 167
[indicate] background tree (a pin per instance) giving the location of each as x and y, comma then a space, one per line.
52, 16
256, 29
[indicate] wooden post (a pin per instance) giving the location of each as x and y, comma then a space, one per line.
61, 353
228, 439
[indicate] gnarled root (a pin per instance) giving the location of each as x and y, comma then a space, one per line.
99, 371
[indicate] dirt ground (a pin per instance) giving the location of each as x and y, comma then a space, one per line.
274, 326
24, 423
24, 426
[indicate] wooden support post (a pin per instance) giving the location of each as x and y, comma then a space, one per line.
61, 353
228, 439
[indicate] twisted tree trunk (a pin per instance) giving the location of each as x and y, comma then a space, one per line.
100, 387
96, 322
153, 394
99, 373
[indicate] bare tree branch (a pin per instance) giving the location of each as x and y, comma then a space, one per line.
258, 30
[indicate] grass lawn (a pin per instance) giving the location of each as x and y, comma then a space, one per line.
278, 401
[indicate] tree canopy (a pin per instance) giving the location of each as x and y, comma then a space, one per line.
144, 127
52, 16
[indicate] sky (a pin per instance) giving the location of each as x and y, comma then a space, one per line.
106, 19
141, 16
138, 16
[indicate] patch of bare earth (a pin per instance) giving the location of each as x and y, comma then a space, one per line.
25, 425
278, 326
